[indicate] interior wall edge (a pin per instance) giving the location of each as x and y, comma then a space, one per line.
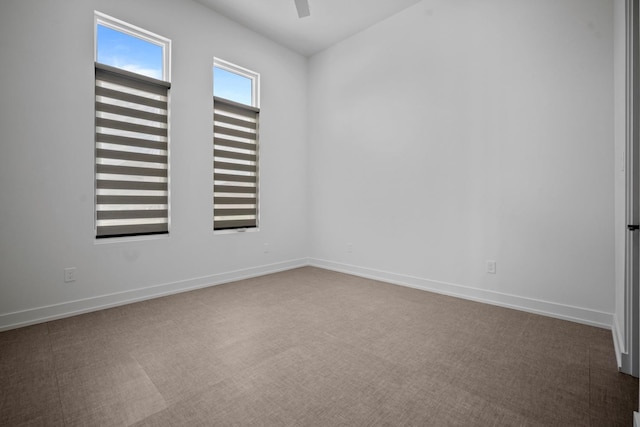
33, 316
546, 308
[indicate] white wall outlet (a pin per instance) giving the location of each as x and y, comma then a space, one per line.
70, 274
491, 267
349, 248
266, 248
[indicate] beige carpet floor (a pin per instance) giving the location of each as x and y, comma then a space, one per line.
312, 347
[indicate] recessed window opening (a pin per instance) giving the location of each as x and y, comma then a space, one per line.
235, 140
132, 70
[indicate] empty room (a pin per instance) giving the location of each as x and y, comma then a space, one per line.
319, 212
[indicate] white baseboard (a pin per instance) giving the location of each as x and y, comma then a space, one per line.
623, 357
636, 419
57, 311
546, 308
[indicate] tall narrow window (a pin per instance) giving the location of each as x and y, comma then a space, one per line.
132, 132
235, 147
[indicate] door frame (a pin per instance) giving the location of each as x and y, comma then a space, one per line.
630, 354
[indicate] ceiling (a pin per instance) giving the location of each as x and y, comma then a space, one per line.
330, 20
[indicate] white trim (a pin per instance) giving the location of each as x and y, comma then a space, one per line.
628, 350
57, 311
623, 359
636, 419
545, 308
618, 341
237, 230
134, 31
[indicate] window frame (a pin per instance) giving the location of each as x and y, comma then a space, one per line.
255, 106
165, 44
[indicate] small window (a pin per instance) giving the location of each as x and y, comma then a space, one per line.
129, 53
235, 83
235, 147
132, 130
232, 86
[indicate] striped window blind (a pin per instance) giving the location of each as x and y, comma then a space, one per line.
235, 163
132, 196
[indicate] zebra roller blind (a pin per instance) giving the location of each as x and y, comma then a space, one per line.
235, 165
131, 153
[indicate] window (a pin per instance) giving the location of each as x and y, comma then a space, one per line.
232, 86
235, 147
132, 135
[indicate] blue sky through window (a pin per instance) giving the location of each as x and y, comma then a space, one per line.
231, 86
129, 53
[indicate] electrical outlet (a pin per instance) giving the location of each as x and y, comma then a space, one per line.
491, 267
266, 248
70, 274
349, 248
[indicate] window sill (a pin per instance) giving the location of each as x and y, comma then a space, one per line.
236, 231
126, 239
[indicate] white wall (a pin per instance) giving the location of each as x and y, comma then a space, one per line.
460, 131
47, 155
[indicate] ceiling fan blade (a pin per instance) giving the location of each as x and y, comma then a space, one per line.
303, 8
